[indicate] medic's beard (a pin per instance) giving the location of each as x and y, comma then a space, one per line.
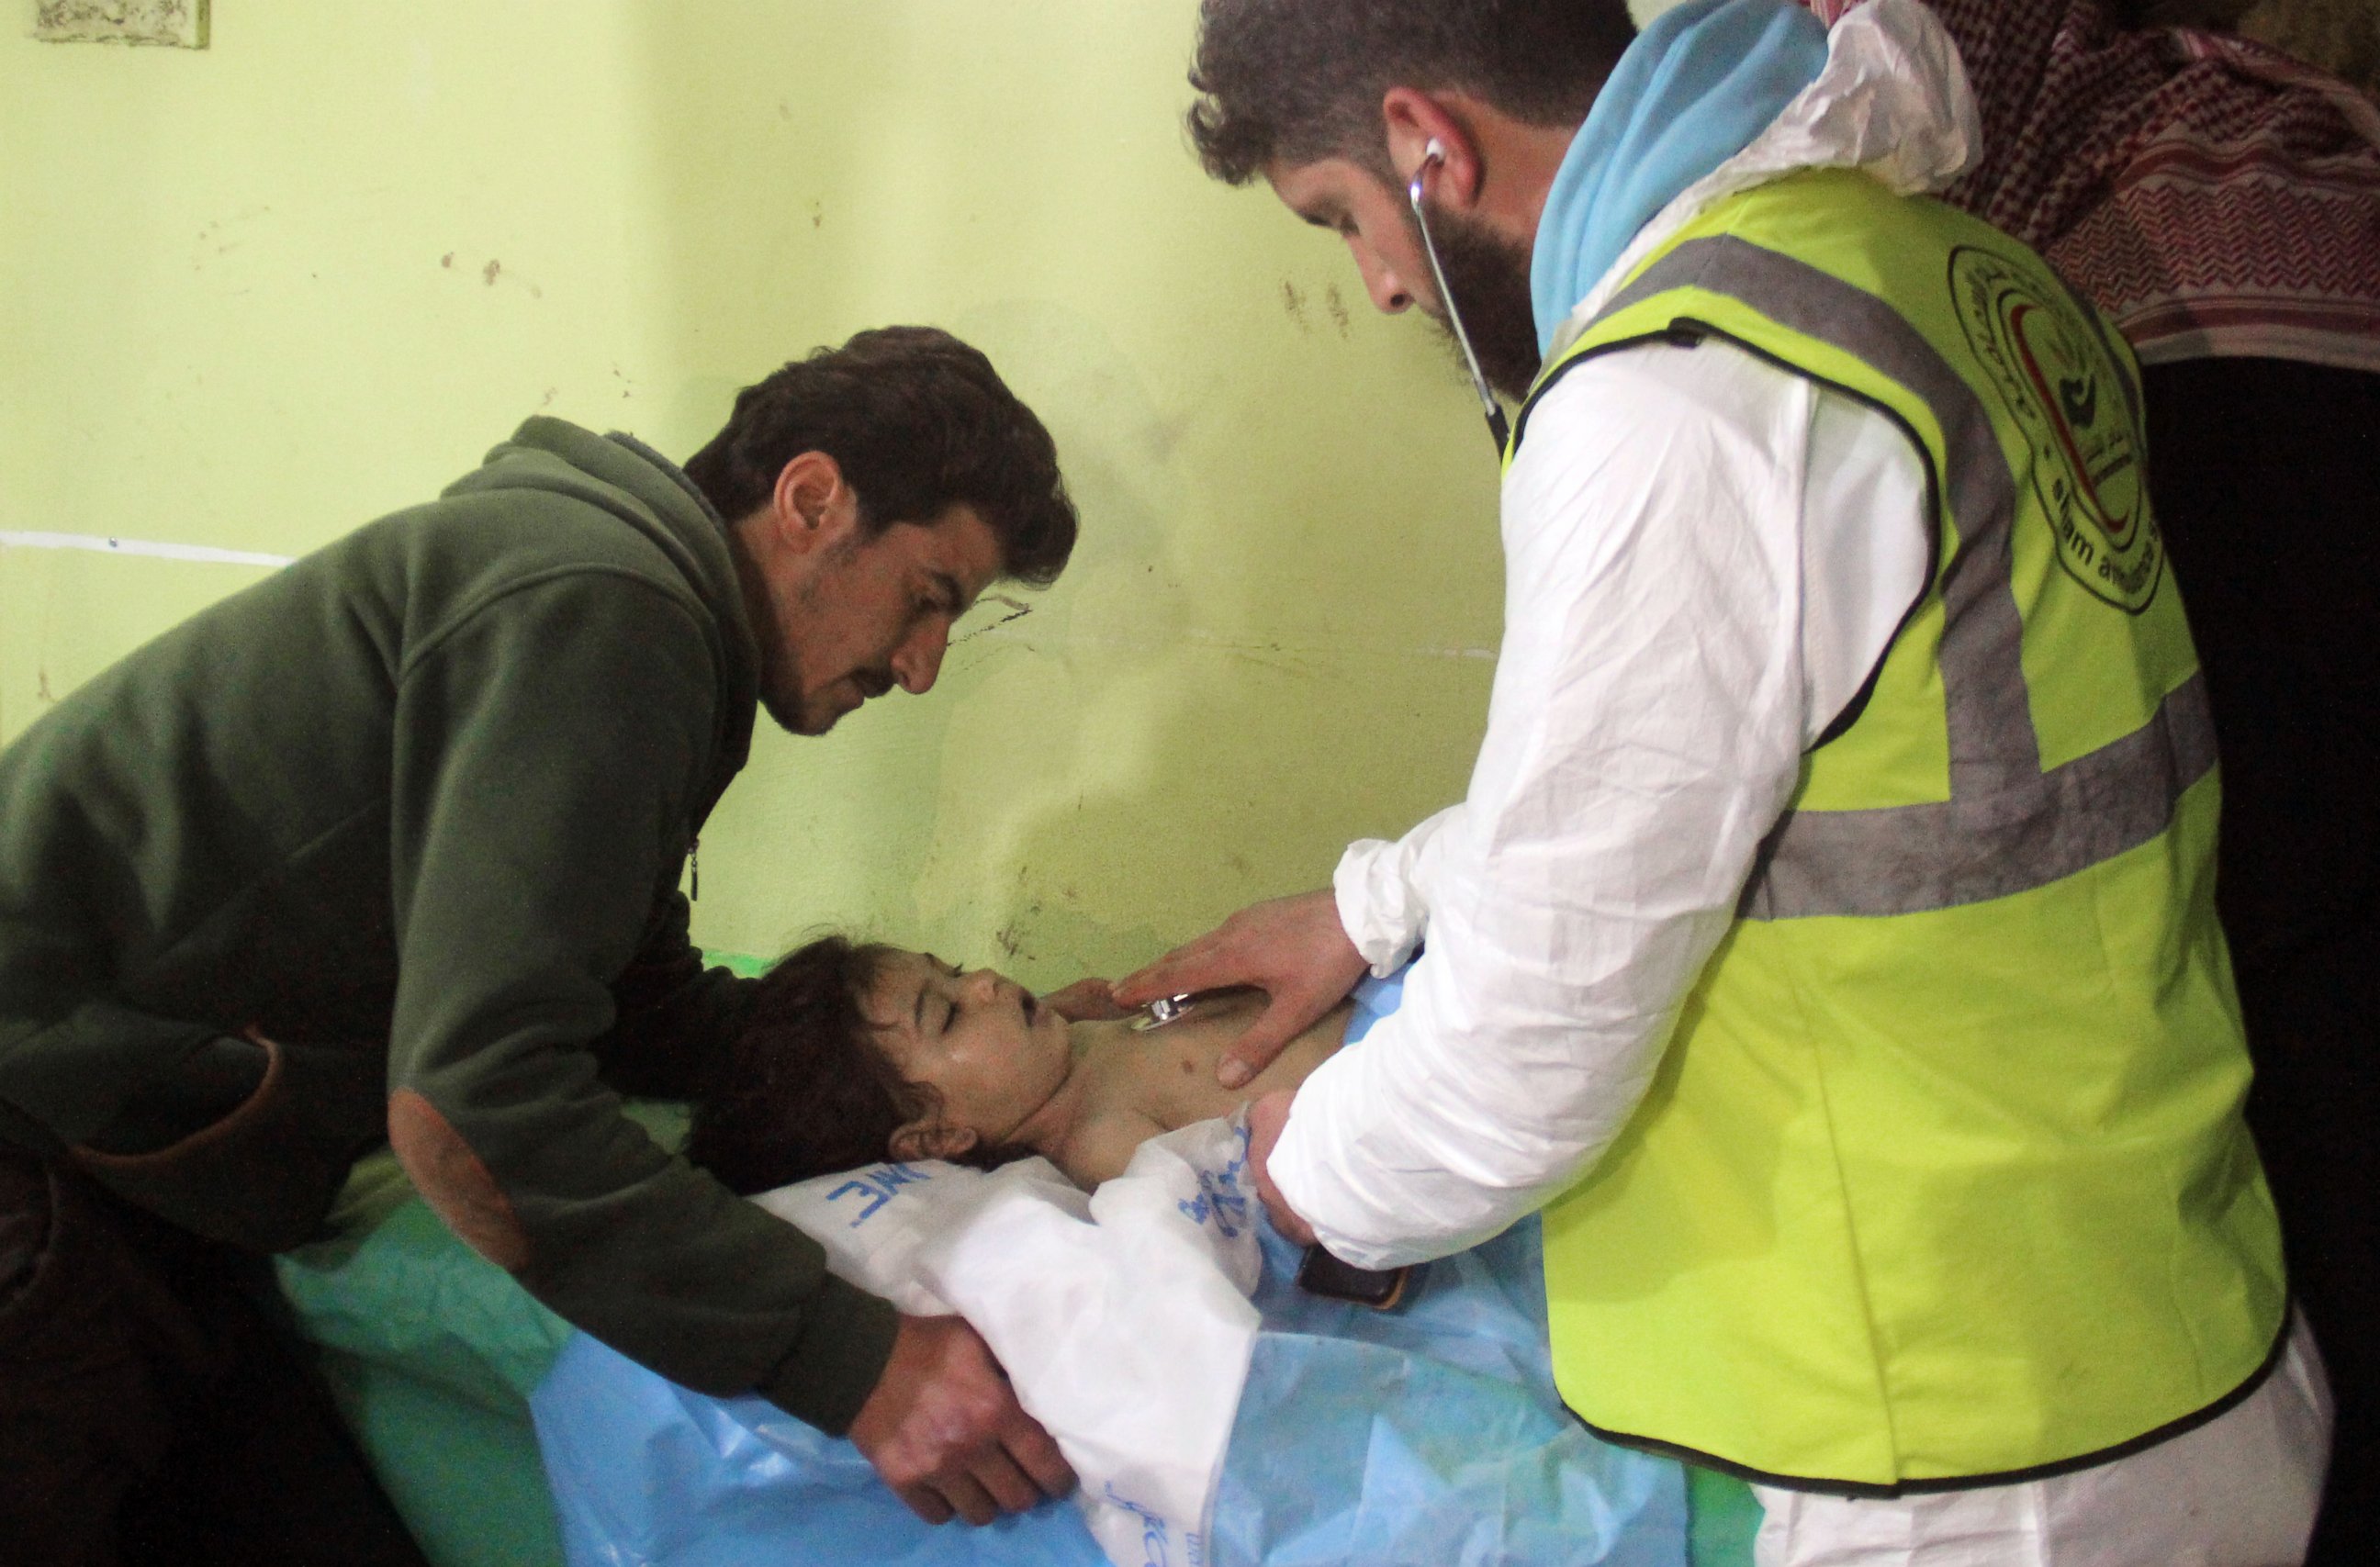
1488, 276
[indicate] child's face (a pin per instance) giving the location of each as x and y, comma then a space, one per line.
981, 1041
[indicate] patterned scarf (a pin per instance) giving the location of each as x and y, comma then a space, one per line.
2215, 198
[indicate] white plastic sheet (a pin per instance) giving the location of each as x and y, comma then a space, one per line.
1122, 1316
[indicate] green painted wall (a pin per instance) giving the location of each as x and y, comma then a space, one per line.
253, 297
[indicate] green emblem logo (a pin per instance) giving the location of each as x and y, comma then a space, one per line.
2055, 378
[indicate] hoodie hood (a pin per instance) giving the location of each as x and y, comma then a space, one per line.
620, 475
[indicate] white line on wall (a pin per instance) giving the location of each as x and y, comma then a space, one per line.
106, 546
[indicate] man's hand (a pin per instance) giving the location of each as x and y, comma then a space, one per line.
945, 1431
1086, 1001
1266, 1116
1292, 949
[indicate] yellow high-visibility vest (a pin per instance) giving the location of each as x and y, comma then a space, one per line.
1943, 1178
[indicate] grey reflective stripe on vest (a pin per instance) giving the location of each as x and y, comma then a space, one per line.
1904, 859
2008, 826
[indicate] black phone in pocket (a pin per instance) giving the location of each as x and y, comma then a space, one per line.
1323, 1275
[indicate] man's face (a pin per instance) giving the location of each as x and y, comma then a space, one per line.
855, 617
1488, 273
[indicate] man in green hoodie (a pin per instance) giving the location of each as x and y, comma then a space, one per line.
388, 846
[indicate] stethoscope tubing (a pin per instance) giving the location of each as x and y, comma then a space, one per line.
1494, 410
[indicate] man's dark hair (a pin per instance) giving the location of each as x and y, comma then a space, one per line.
1300, 80
804, 1089
919, 422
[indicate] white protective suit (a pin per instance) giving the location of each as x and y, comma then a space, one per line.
1696, 587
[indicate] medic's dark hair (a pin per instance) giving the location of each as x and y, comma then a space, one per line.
1300, 80
803, 1088
919, 422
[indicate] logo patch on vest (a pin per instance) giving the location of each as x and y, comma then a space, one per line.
2055, 378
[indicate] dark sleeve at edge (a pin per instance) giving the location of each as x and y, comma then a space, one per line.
846, 1337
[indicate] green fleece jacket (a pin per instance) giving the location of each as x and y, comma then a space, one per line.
388, 845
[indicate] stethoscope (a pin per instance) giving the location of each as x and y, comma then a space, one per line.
1164, 1010
1432, 155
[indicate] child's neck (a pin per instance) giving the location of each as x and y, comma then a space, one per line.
1046, 1130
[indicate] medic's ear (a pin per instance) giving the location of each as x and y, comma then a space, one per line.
1422, 132
930, 1139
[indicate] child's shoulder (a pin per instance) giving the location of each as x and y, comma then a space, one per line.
1102, 1144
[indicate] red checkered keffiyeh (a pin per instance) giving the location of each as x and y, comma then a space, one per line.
2214, 197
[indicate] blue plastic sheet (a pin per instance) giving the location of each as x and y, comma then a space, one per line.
1430, 1435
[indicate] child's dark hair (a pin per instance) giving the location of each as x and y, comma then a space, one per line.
804, 1089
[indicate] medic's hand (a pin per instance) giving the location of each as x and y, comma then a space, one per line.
1266, 1116
1292, 949
945, 1431
1086, 1001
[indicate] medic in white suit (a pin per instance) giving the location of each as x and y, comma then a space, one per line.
1698, 593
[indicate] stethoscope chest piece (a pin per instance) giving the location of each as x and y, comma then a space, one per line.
1163, 1010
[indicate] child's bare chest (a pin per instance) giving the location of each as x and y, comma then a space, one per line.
1167, 1074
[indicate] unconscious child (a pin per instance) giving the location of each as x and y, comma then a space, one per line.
857, 1053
